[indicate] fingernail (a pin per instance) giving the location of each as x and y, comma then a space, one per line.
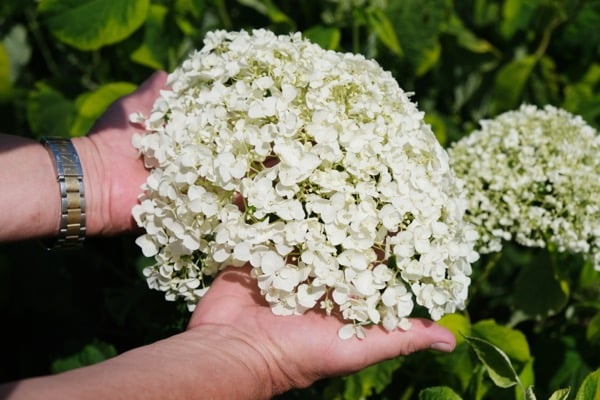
441, 346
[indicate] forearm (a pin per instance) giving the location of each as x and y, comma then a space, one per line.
169, 369
30, 196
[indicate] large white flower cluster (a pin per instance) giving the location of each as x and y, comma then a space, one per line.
533, 176
313, 167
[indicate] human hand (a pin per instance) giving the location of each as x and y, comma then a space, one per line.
113, 169
299, 350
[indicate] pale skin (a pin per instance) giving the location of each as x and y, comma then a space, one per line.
234, 347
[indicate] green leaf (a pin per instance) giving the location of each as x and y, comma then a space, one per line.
18, 49
418, 26
485, 12
379, 23
457, 367
590, 388
467, 39
438, 126
154, 49
429, 57
5, 75
92, 24
516, 15
581, 32
495, 361
582, 98
561, 394
562, 363
269, 9
325, 36
91, 105
592, 332
539, 291
458, 324
545, 83
527, 379
92, 353
49, 112
513, 342
371, 380
589, 276
438, 393
510, 82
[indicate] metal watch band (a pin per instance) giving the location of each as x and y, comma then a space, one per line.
69, 175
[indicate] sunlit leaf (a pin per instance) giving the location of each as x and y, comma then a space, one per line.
513, 342
325, 36
153, 50
561, 394
91, 105
458, 324
91, 24
495, 361
590, 388
438, 125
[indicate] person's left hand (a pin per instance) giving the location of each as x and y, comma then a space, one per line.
112, 166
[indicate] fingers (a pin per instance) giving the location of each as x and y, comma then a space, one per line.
145, 95
141, 100
149, 89
234, 288
347, 356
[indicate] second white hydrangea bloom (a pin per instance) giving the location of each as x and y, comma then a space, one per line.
532, 176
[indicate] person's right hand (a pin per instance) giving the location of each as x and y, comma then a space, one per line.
296, 351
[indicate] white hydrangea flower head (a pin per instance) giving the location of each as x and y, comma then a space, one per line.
532, 176
311, 166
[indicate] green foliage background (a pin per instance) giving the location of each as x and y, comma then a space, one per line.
537, 313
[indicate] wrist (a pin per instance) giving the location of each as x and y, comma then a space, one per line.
225, 356
94, 183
